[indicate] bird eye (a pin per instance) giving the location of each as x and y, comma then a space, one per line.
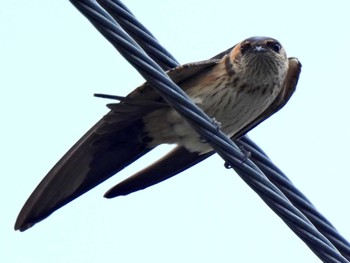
245, 47
275, 46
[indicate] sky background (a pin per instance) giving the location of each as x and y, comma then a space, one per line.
52, 60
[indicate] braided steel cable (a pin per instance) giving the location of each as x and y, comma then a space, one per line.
106, 23
122, 15
277, 177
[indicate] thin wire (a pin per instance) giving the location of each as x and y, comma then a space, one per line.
106, 24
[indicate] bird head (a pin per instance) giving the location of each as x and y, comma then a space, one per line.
260, 55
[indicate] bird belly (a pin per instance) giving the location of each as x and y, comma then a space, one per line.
231, 109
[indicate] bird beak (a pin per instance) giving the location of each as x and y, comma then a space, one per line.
259, 48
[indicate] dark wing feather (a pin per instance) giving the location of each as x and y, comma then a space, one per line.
180, 159
108, 147
178, 75
93, 159
176, 161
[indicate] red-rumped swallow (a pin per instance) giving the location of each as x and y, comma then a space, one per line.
240, 88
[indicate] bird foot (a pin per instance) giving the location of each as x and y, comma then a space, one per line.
217, 124
246, 154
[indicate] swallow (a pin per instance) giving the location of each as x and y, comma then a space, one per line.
240, 88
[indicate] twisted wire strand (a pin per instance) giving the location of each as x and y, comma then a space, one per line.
277, 177
249, 172
122, 15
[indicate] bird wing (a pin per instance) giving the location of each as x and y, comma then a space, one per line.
108, 147
179, 159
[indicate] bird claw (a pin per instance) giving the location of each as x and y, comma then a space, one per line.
202, 139
246, 154
217, 124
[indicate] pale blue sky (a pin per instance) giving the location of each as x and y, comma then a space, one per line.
53, 60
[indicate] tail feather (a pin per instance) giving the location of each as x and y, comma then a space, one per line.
171, 164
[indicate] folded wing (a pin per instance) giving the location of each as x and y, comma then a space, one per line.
109, 146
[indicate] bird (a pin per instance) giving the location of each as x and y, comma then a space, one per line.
239, 88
